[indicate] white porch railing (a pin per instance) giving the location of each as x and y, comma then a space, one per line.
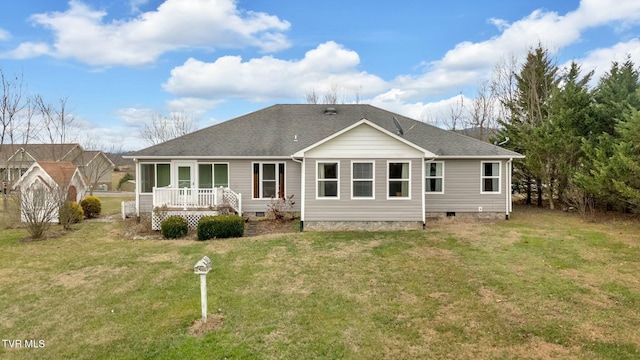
196, 198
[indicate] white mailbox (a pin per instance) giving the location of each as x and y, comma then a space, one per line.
202, 267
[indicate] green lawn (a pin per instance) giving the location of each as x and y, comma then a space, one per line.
542, 285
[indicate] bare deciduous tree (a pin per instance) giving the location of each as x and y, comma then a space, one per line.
162, 128
57, 122
93, 163
16, 113
39, 205
332, 96
481, 113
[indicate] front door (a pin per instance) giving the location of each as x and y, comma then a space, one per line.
185, 175
185, 179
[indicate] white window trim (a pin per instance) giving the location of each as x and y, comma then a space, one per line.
499, 177
427, 176
389, 180
337, 180
260, 164
213, 164
373, 180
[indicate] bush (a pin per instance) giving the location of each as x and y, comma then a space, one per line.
220, 226
280, 209
206, 228
70, 213
91, 206
174, 227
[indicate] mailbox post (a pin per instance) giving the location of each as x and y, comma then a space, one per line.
201, 268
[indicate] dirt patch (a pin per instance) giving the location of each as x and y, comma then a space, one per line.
48, 235
200, 328
264, 227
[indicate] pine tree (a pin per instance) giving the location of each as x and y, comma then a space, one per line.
528, 126
608, 147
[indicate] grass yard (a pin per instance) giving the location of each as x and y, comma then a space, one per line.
542, 285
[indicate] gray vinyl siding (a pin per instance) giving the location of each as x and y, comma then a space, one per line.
378, 209
146, 203
241, 180
462, 189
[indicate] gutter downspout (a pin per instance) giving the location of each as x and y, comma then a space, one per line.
424, 192
302, 189
509, 200
137, 188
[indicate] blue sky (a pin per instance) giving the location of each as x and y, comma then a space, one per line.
118, 61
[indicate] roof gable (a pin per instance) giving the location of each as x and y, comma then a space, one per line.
59, 173
364, 139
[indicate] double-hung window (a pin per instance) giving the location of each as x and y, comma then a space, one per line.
268, 180
362, 180
154, 175
490, 177
327, 180
399, 180
434, 179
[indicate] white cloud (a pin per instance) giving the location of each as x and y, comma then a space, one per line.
4, 35
82, 34
468, 63
28, 50
600, 60
135, 5
135, 117
195, 106
329, 65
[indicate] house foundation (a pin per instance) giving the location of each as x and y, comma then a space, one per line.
362, 225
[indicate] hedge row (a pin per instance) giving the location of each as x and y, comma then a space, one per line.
209, 227
220, 226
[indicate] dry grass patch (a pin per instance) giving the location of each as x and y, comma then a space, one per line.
537, 286
200, 328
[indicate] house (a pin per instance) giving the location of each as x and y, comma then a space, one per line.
15, 159
97, 167
46, 184
94, 165
347, 166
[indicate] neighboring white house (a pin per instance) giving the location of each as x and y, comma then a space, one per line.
95, 165
60, 180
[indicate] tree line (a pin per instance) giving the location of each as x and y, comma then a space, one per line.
581, 141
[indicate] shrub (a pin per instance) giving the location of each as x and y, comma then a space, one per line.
220, 226
70, 212
91, 206
174, 227
280, 209
206, 228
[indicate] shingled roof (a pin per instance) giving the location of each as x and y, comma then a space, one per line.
39, 152
282, 130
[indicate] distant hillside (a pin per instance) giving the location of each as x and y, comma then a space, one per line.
119, 161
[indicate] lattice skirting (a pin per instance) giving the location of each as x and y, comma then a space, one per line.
192, 217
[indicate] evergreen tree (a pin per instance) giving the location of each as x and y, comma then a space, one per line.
528, 126
615, 93
571, 113
608, 146
624, 166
